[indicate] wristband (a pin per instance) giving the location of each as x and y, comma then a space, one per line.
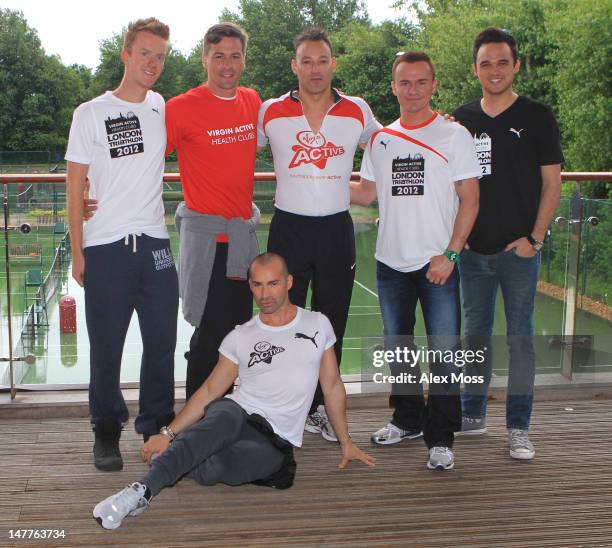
452, 256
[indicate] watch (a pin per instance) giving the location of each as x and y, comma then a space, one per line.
167, 432
536, 244
451, 255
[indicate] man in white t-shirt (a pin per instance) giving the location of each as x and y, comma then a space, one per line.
424, 171
248, 436
122, 255
313, 132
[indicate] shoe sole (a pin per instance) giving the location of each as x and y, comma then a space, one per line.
522, 456
475, 432
396, 440
312, 429
109, 468
440, 466
327, 437
111, 526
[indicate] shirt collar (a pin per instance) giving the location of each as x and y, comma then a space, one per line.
293, 95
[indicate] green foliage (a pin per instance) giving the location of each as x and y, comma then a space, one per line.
583, 81
366, 54
38, 91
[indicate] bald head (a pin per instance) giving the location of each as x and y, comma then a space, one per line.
270, 283
269, 259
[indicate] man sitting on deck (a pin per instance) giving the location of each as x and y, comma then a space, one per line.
248, 436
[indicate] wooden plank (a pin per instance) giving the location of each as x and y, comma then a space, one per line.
558, 499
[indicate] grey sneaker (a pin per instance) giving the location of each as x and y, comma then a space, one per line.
440, 458
392, 434
472, 426
318, 423
520, 446
130, 501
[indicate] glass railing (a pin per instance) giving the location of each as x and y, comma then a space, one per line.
573, 317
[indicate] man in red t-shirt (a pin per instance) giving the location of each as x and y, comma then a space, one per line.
213, 129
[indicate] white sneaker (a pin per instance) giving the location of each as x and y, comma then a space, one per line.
520, 446
130, 501
440, 458
392, 434
472, 426
318, 423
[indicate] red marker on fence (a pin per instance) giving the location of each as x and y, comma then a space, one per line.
67, 314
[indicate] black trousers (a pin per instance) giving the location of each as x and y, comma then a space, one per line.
319, 251
229, 303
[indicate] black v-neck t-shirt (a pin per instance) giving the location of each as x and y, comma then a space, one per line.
511, 148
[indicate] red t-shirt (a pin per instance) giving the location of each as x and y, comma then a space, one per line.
216, 143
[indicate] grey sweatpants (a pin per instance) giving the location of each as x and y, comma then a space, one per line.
220, 448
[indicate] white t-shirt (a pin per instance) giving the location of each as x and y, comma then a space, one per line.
313, 170
414, 168
279, 368
124, 144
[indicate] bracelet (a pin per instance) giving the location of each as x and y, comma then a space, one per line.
451, 255
167, 432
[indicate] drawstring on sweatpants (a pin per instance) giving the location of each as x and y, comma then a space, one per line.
133, 235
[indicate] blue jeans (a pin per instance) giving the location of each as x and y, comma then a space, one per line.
481, 275
398, 295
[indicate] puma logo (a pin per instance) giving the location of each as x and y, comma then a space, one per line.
518, 132
155, 110
311, 339
384, 144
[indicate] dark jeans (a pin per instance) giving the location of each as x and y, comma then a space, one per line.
117, 282
321, 251
220, 448
229, 303
398, 293
481, 276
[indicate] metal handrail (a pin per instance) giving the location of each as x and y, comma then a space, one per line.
16, 178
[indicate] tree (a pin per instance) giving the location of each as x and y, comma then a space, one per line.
38, 91
272, 25
365, 57
583, 82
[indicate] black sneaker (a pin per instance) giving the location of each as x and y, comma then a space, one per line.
107, 456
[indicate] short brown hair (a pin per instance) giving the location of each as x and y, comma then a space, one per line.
217, 32
413, 57
314, 34
152, 25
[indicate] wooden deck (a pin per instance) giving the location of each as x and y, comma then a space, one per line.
562, 498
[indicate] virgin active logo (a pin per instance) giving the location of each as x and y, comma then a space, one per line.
264, 352
313, 148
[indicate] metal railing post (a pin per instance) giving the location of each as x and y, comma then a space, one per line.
571, 292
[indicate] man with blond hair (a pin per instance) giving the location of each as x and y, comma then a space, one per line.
122, 255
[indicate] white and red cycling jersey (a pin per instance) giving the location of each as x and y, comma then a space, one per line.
313, 170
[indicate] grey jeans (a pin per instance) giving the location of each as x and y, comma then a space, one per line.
220, 448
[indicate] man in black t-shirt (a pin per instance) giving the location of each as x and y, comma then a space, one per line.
517, 142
